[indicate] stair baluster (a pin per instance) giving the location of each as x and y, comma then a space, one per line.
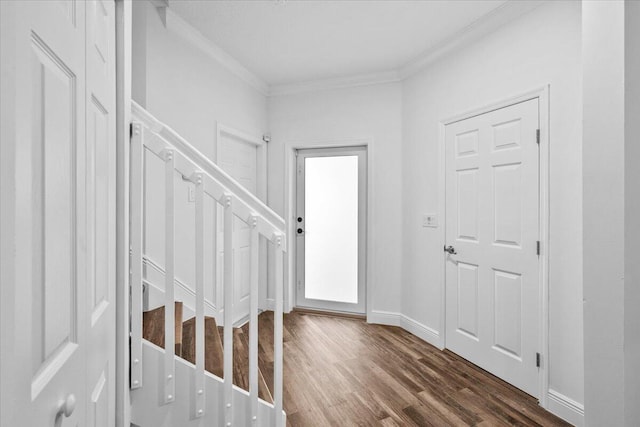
197, 340
169, 244
227, 203
200, 395
253, 320
136, 207
277, 332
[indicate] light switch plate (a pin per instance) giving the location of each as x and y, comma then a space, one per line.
430, 220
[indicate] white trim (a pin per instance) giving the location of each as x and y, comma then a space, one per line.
565, 407
542, 94
238, 134
335, 83
185, 30
182, 290
262, 194
360, 152
261, 172
290, 149
160, 3
418, 329
123, 40
486, 24
388, 318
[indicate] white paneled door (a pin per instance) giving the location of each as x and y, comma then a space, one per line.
492, 233
239, 158
65, 211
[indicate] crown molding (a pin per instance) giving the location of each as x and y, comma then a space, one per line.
335, 83
483, 26
185, 30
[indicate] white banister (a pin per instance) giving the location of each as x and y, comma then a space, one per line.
169, 304
227, 407
227, 203
253, 320
277, 332
199, 406
136, 229
242, 195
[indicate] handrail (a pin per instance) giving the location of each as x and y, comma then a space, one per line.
152, 136
207, 165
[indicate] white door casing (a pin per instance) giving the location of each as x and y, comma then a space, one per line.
101, 209
65, 212
243, 157
492, 282
321, 257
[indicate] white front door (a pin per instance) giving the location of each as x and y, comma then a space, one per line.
239, 159
331, 194
65, 211
492, 233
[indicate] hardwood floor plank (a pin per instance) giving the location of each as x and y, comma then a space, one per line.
344, 372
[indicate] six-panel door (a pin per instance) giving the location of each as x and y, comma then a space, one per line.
492, 281
65, 211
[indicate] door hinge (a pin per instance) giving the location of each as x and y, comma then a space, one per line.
538, 247
130, 130
538, 136
537, 360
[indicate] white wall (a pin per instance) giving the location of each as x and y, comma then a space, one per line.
611, 68
632, 213
603, 76
540, 48
191, 92
368, 112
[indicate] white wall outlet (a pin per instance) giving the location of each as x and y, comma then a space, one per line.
430, 220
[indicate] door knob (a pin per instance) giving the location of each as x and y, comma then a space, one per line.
65, 408
450, 249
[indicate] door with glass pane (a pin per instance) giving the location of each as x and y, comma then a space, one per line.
331, 229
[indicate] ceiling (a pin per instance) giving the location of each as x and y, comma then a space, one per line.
287, 42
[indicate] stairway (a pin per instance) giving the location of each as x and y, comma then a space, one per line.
185, 339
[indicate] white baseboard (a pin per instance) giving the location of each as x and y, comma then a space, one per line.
418, 329
270, 305
565, 407
155, 274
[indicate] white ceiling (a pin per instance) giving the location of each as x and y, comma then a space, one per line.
288, 42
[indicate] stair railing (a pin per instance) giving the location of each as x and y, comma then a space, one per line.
148, 133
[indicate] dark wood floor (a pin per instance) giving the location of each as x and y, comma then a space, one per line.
345, 372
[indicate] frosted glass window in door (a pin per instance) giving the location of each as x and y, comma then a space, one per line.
331, 228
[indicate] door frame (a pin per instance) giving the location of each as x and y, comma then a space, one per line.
335, 306
290, 149
124, 61
542, 94
261, 193
261, 145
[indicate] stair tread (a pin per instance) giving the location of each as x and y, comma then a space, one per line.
241, 364
153, 331
214, 355
153, 326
